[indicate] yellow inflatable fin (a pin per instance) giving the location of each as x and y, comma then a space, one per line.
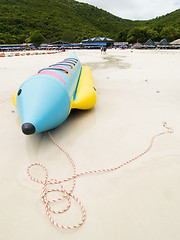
86, 94
14, 98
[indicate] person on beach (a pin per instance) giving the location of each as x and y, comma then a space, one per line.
105, 48
101, 50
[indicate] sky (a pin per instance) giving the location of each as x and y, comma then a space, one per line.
136, 9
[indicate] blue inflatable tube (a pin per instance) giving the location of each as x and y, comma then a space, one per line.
45, 100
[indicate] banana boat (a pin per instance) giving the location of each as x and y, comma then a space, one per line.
45, 100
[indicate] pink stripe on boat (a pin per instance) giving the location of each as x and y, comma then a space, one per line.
54, 74
60, 66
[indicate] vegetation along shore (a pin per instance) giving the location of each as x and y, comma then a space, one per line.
72, 21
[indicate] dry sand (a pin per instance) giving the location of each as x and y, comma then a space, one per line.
136, 92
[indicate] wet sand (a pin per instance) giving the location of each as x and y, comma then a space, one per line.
136, 93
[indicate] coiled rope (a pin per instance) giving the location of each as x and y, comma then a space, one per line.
68, 195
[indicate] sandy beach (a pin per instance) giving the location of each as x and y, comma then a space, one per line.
136, 93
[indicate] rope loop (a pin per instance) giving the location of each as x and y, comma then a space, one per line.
68, 195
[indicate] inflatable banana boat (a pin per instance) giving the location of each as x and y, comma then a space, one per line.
45, 100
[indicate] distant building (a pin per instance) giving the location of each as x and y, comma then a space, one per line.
138, 46
149, 42
163, 42
121, 44
97, 42
176, 42
16, 47
53, 45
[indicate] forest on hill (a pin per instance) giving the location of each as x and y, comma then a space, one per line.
72, 21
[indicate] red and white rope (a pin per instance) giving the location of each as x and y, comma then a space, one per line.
68, 195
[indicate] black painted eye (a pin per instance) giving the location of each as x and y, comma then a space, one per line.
19, 92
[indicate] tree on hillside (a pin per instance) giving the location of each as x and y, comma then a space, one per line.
36, 38
21, 38
2, 37
9, 38
153, 34
68, 36
170, 33
141, 34
122, 37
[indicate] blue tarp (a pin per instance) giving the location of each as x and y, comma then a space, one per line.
5, 47
95, 44
65, 45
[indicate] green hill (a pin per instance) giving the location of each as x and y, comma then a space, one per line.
72, 21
